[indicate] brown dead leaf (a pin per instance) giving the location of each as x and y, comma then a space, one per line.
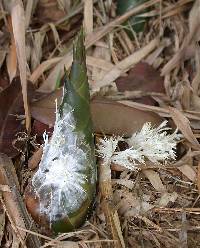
13, 204
42, 68
125, 65
155, 180
101, 51
11, 59
96, 63
188, 171
2, 56
35, 159
198, 177
125, 182
108, 117
68, 244
2, 222
49, 11
142, 77
4, 81
162, 111
88, 16
36, 49
194, 21
44, 109
195, 102
131, 204
8, 201
11, 110
18, 24
183, 125
30, 7
191, 37
166, 198
49, 84
99, 33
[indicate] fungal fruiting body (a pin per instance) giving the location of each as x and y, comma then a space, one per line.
65, 180
149, 144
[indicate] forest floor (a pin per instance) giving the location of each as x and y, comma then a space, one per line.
135, 77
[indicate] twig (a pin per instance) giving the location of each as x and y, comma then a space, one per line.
111, 214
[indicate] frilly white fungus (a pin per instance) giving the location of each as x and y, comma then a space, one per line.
153, 144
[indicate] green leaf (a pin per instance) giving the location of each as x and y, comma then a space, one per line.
58, 81
136, 23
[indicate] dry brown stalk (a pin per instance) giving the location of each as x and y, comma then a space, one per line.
18, 23
12, 200
112, 218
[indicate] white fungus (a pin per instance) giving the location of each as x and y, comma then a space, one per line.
59, 180
153, 144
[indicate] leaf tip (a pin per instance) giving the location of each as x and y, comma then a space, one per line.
79, 47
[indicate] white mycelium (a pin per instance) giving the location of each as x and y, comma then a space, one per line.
153, 144
59, 179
